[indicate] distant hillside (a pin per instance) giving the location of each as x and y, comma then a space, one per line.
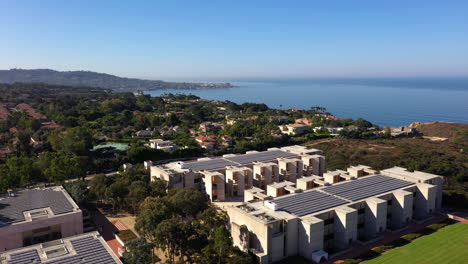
94, 79
452, 131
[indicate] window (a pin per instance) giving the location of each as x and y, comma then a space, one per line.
389, 202
361, 211
329, 221
361, 225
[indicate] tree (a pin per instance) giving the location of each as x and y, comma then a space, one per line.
63, 167
98, 186
21, 171
23, 144
116, 194
5, 180
137, 192
139, 252
158, 188
78, 190
76, 141
187, 202
222, 242
153, 211
170, 236
362, 123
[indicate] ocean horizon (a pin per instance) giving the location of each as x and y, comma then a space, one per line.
383, 101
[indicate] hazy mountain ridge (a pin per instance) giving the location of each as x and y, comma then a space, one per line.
95, 79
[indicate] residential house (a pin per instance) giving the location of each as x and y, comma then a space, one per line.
293, 129
161, 144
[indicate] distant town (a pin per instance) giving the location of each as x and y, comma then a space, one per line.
98, 176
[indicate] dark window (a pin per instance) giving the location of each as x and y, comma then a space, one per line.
389, 202
361, 211
329, 221
361, 225
329, 236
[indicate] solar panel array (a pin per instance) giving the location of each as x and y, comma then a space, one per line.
208, 164
25, 257
89, 250
260, 156
313, 201
243, 159
12, 208
307, 202
366, 187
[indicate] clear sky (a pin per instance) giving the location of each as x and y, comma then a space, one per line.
237, 39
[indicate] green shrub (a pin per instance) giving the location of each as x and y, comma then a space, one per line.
127, 235
437, 226
411, 237
352, 261
382, 249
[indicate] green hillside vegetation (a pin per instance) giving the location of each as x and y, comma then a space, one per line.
449, 159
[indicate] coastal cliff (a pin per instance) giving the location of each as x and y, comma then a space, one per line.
95, 79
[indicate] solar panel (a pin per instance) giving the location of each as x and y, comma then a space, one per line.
244, 159
260, 156
26, 257
88, 250
308, 202
12, 208
366, 187
208, 164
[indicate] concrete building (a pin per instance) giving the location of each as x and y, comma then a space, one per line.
321, 220
87, 248
241, 172
33, 216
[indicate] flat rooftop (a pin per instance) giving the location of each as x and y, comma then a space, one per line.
12, 207
365, 187
87, 248
322, 198
306, 203
238, 160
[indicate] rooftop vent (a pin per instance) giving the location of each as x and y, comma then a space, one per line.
56, 252
270, 205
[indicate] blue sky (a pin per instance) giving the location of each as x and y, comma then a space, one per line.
237, 39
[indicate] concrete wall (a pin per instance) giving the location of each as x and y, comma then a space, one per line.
295, 169
313, 165
345, 226
401, 208
375, 217
310, 236
425, 200
258, 231
11, 236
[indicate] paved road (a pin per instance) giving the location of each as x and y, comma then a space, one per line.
91, 176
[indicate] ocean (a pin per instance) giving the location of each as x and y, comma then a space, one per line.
391, 102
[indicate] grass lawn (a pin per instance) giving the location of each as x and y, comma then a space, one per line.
448, 245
